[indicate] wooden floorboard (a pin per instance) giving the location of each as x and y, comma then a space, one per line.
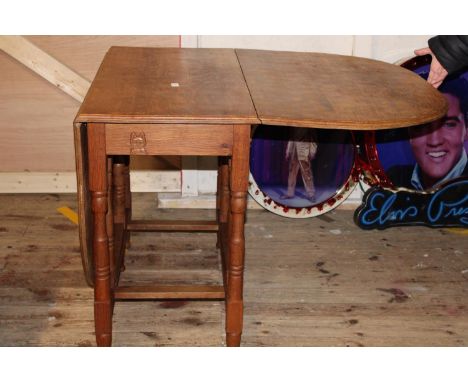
311, 282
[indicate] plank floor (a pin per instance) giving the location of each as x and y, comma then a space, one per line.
308, 282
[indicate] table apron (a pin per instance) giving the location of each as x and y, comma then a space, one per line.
169, 139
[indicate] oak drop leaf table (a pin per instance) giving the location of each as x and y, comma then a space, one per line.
169, 101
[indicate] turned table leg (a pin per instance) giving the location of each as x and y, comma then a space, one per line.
223, 173
120, 212
128, 201
110, 221
222, 200
218, 201
239, 179
119, 193
98, 189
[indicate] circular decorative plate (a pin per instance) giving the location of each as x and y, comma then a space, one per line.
300, 172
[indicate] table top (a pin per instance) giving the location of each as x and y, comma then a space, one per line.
160, 85
183, 85
334, 91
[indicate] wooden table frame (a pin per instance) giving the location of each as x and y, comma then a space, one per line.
164, 101
111, 211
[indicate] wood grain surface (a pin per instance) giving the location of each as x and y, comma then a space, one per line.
168, 139
161, 85
179, 292
173, 225
35, 116
313, 282
333, 91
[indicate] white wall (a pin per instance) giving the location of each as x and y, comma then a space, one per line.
385, 48
324, 44
388, 48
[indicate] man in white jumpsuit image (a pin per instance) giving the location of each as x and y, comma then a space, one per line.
301, 149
